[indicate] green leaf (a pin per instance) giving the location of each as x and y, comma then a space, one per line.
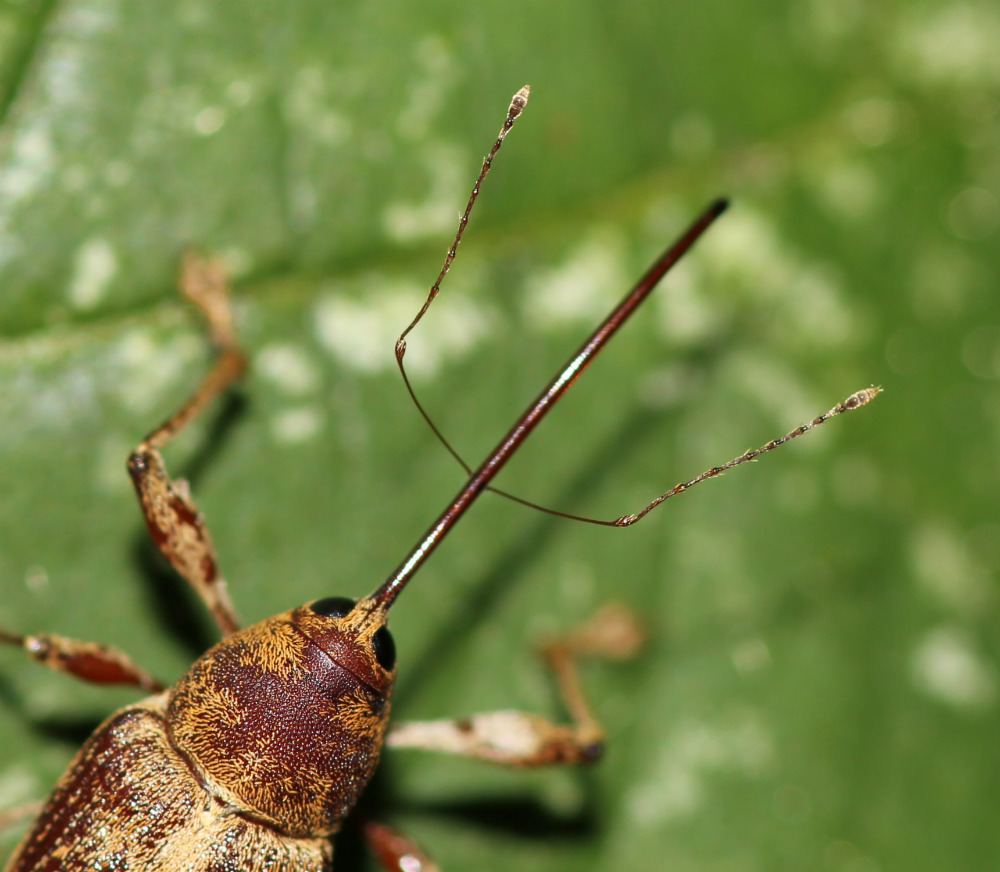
820, 687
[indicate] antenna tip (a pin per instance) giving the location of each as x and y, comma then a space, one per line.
862, 397
518, 102
719, 205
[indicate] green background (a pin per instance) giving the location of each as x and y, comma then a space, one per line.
820, 688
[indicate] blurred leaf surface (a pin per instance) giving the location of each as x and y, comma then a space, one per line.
821, 688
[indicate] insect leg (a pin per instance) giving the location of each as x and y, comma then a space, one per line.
88, 661
513, 738
396, 852
173, 520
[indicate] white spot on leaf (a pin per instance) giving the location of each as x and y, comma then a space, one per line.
946, 666
28, 166
583, 287
675, 785
94, 267
362, 333
308, 108
148, 368
428, 91
849, 188
288, 367
873, 120
293, 426
209, 120
36, 579
239, 92
947, 570
436, 212
953, 45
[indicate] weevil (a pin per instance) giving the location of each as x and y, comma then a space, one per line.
254, 758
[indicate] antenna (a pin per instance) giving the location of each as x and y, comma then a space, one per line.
479, 479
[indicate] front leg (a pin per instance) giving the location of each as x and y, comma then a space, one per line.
519, 739
174, 522
396, 852
88, 661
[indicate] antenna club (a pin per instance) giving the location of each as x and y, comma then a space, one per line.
862, 397
517, 103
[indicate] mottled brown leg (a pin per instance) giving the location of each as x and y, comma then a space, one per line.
396, 852
88, 661
173, 520
512, 738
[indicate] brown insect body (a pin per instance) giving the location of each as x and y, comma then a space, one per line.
251, 761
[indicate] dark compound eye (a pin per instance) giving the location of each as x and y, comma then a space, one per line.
384, 648
334, 607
